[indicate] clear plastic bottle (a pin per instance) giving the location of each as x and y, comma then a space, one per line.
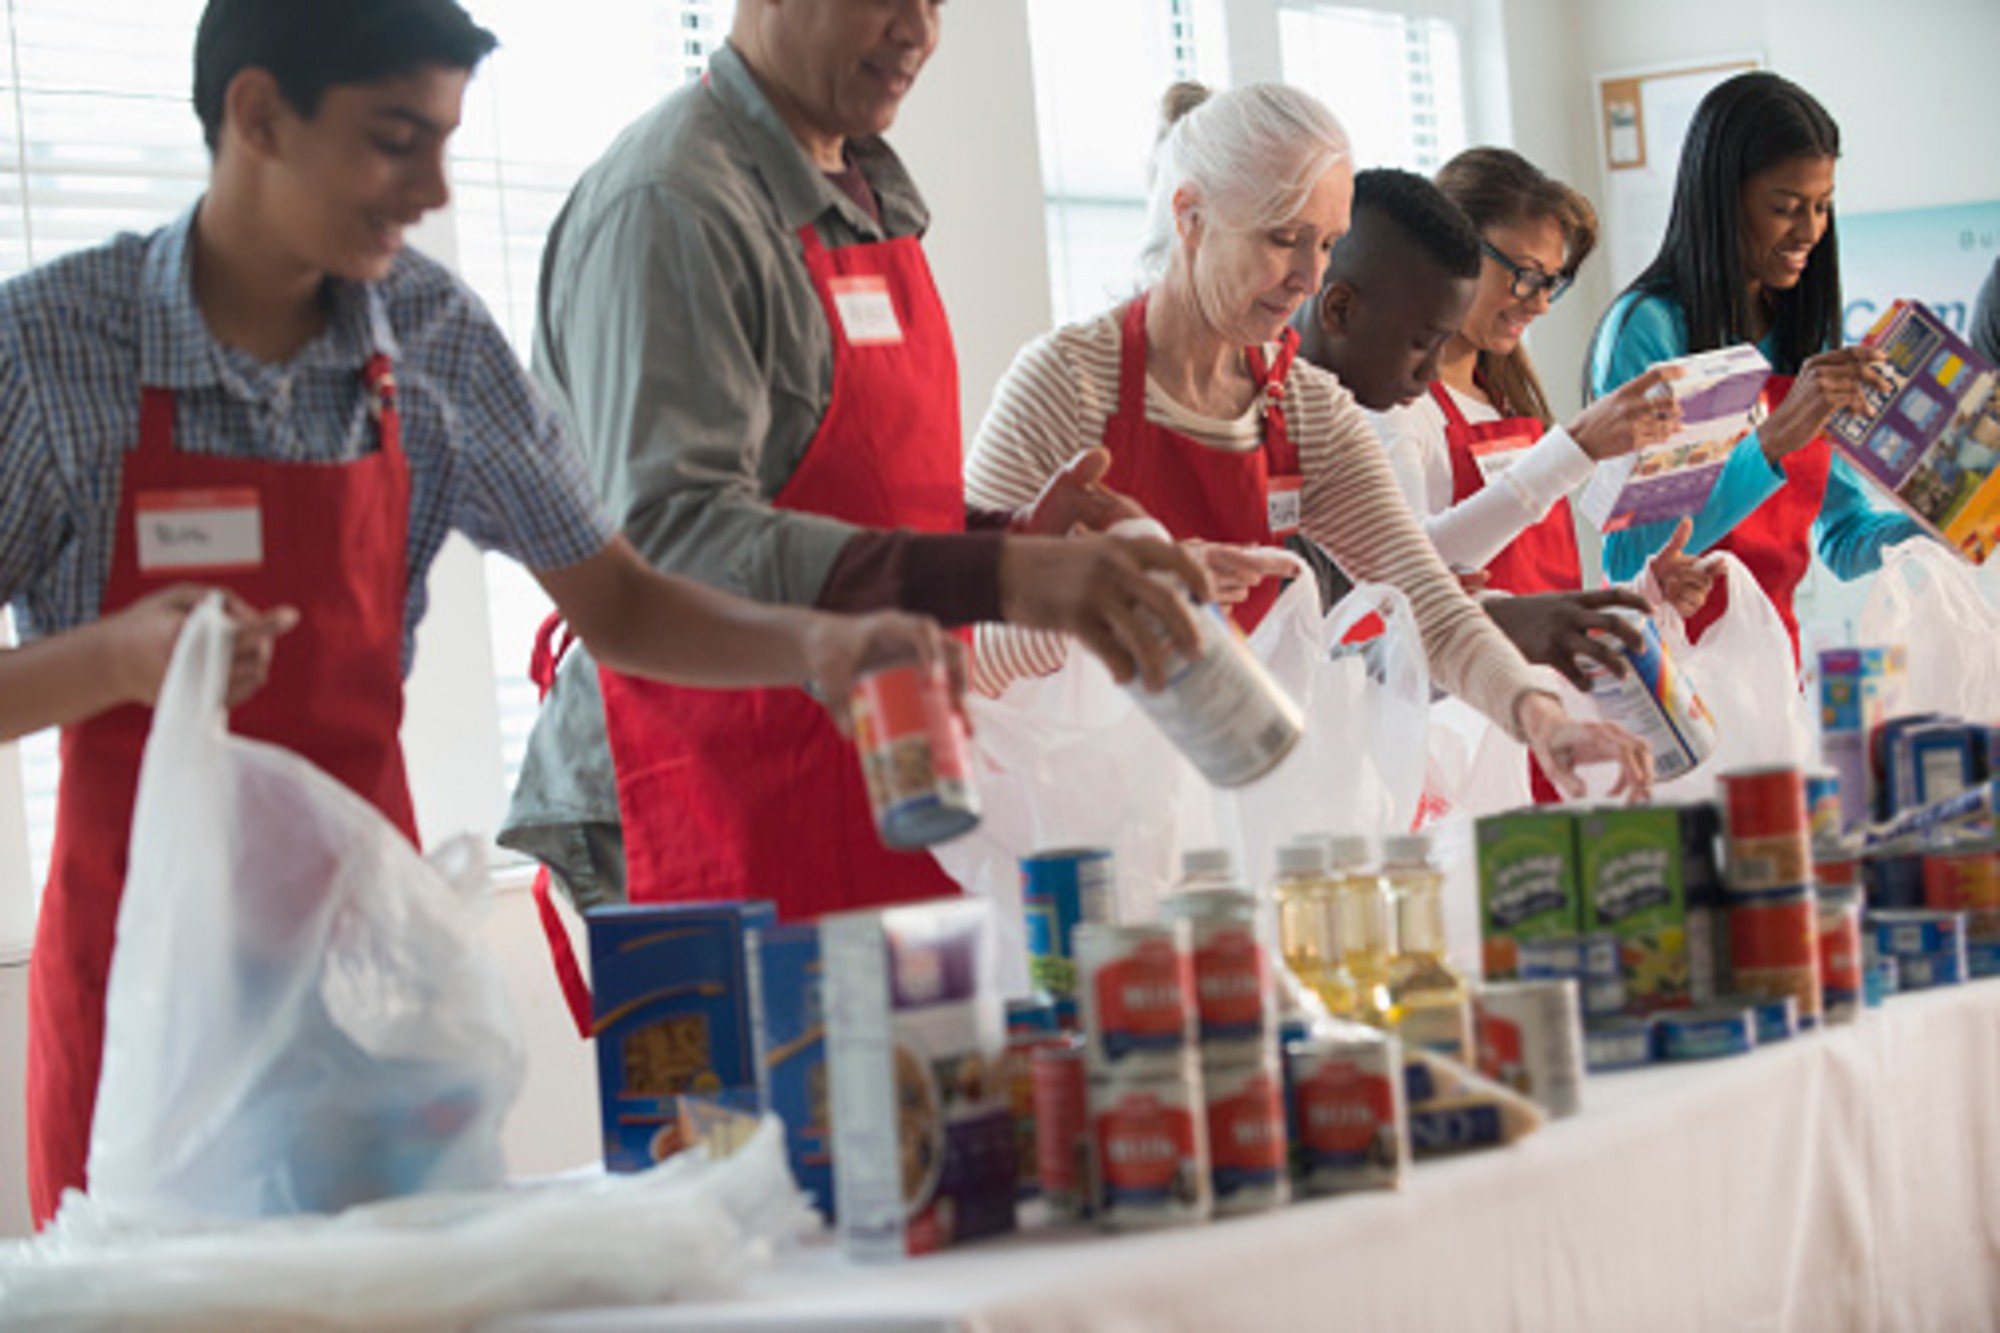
1433, 1001
1367, 930
1309, 924
1207, 868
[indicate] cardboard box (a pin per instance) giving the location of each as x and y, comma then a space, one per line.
1527, 883
1721, 400
1636, 876
916, 1033
787, 1004
671, 1000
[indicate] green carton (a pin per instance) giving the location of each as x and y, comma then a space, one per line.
1635, 885
1527, 883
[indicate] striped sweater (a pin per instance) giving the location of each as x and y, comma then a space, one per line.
1054, 402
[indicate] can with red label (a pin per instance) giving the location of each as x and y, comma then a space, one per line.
914, 755
1150, 1142
1531, 1039
1247, 1148
1965, 879
1767, 836
1031, 1025
1825, 819
1352, 1123
1774, 951
1062, 1130
1235, 995
1840, 956
1137, 988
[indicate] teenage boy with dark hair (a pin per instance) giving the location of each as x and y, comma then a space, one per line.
273, 395
1397, 286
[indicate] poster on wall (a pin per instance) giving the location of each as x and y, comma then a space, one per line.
1642, 115
1935, 255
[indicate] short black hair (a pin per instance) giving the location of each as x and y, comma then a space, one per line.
1418, 210
310, 46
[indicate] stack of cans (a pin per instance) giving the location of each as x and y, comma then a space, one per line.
1236, 1014
1774, 948
1965, 877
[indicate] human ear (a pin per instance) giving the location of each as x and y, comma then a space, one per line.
252, 110
1336, 308
1187, 215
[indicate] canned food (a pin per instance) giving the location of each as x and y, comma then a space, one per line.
1893, 880
1882, 979
1776, 1019
1580, 957
1982, 958
1924, 971
914, 755
1769, 847
1837, 871
1909, 934
1349, 1108
1220, 707
1774, 951
1617, 1043
1031, 1026
1655, 701
1705, 1033
1824, 818
1137, 987
1961, 880
1235, 999
1062, 1129
1531, 1041
1060, 890
1840, 957
1248, 1151
1151, 1140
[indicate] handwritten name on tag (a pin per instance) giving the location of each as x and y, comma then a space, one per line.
867, 314
199, 530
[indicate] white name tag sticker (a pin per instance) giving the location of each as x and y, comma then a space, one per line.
199, 530
1281, 495
867, 314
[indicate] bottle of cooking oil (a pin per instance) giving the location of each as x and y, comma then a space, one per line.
1434, 1002
1309, 924
1367, 929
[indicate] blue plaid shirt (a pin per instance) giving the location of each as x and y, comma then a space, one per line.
78, 337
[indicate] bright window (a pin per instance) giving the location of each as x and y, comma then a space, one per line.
1393, 79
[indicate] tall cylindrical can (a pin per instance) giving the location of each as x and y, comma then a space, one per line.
1063, 1161
1137, 988
1235, 991
1840, 954
915, 756
1150, 1139
1531, 1039
1774, 951
1221, 708
1061, 890
1767, 836
1655, 700
1247, 1147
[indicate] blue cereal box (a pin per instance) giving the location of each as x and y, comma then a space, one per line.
672, 1019
787, 1008
916, 1038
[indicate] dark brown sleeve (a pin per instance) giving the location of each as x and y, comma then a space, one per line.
987, 520
953, 577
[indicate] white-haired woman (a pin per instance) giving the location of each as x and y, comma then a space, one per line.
1211, 427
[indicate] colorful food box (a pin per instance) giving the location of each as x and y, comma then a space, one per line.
787, 1002
1527, 883
671, 997
916, 1034
1636, 876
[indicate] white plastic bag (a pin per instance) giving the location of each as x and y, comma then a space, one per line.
300, 1016
1929, 600
1744, 672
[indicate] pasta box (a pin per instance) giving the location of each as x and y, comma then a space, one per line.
788, 1016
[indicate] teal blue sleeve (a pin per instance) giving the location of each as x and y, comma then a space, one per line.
1637, 334
1852, 531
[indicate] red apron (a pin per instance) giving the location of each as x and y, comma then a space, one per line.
1774, 541
334, 548
1543, 558
752, 793
1200, 492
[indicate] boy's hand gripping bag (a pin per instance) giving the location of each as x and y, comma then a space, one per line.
300, 1016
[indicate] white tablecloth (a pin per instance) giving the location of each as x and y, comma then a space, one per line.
1844, 1180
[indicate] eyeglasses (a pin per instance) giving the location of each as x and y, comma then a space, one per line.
1528, 281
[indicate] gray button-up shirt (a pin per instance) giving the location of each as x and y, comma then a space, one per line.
680, 331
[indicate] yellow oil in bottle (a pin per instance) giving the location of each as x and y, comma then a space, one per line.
1367, 931
1433, 1001
1308, 924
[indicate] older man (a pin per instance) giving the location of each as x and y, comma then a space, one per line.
737, 313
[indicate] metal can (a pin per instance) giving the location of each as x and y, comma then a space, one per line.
1882, 979
1031, 1026
1061, 890
1925, 971
1655, 701
1062, 1129
1594, 961
1137, 988
1914, 934
1150, 1141
1703, 1034
1531, 1040
1617, 1043
1836, 869
1221, 708
1235, 995
1777, 1019
1352, 1120
1893, 880
1247, 1148
1982, 958
1824, 818
914, 755
1962, 879
1840, 957
1767, 836
1774, 951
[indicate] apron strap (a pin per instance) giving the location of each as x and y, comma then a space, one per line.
569, 973
552, 643
1281, 454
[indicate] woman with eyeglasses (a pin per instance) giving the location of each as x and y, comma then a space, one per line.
1749, 256
1213, 428
1482, 455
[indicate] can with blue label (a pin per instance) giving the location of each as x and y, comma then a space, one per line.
1882, 979
1982, 959
1705, 1033
1925, 971
1918, 933
1777, 1018
1824, 815
1655, 701
1061, 890
1617, 1043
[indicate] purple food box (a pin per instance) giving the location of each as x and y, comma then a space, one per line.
1720, 394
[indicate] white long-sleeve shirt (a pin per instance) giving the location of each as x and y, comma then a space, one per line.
1469, 533
1054, 402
